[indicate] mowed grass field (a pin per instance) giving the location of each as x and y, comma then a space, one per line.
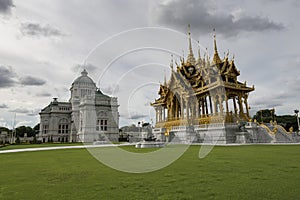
233, 172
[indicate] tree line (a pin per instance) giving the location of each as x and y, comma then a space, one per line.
267, 115
21, 130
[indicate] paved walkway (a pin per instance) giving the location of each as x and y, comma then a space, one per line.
61, 147
126, 144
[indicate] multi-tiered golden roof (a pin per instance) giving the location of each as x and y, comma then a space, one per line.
202, 91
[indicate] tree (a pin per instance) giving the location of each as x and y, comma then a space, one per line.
18, 140
34, 139
21, 130
265, 115
287, 121
36, 128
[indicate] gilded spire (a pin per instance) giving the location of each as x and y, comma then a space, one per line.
199, 61
199, 55
190, 58
172, 62
165, 79
216, 58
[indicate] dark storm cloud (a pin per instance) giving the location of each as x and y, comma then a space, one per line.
7, 76
3, 106
36, 29
33, 112
271, 101
43, 94
137, 116
204, 16
20, 110
30, 80
5, 6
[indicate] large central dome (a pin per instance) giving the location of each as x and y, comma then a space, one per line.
84, 79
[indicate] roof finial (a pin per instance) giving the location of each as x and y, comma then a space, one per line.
215, 41
84, 64
190, 40
172, 62
199, 55
199, 61
165, 79
191, 58
216, 58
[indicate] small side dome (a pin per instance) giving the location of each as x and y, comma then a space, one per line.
84, 79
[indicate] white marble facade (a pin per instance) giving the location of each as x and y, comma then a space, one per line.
89, 115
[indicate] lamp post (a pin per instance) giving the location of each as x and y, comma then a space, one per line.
296, 112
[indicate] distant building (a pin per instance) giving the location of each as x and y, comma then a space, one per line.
88, 116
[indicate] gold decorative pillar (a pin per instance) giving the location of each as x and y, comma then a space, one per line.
206, 107
240, 102
176, 109
203, 106
234, 105
246, 105
187, 109
226, 100
221, 104
210, 105
197, 108
156, 114
182, 108
215, 105
169, 112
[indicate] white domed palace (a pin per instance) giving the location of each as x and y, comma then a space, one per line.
88, 116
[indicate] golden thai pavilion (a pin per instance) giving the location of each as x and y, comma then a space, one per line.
201, 92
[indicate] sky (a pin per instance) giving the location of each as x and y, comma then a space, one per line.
126, 47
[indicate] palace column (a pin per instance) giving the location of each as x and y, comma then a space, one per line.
210, 104
226, 100
182, 107
234, 105
176, 109
203, 106
197, 108
221, 104
206, 107
159, 114
187, 109
240, 105
193, 110
215, 104
169, 111
246, 105
164, 114
156, 114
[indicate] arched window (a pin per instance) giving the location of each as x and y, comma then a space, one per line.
63, 126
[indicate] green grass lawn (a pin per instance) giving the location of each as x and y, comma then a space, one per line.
237, 172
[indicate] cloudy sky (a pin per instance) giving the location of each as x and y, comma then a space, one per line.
43, 45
